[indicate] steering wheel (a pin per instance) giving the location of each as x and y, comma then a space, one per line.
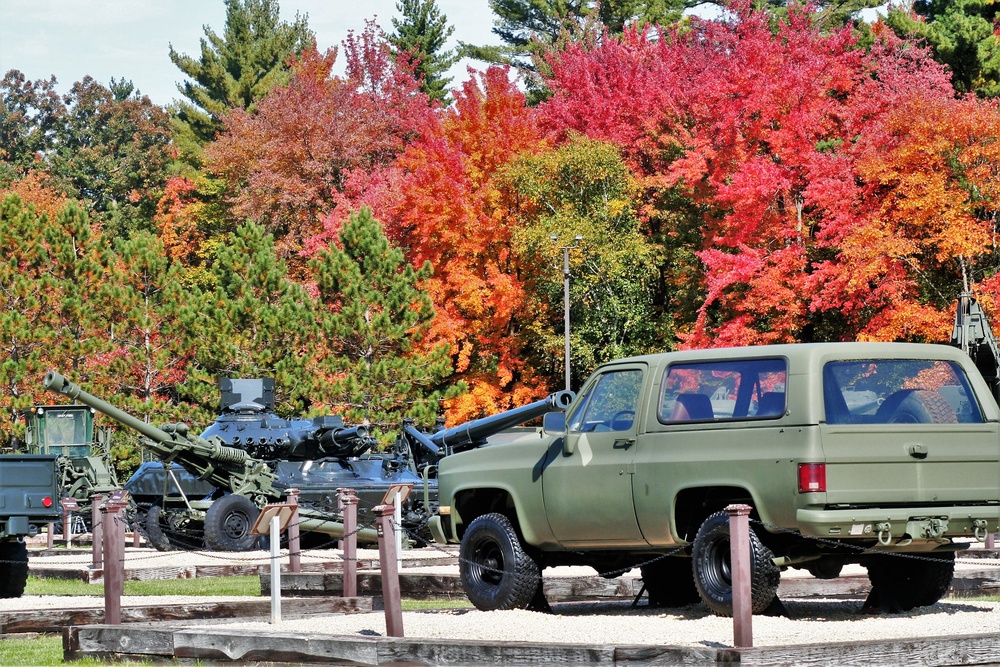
620, 417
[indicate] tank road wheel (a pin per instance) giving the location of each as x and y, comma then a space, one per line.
900, 583
669, 582
154, 529
13, 568
496, 571
228, 522
713, 569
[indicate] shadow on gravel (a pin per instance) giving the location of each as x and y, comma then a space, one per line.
797, 610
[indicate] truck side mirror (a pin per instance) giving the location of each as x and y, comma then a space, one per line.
554, 423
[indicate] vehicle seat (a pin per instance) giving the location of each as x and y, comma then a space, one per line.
692, 407
771, 404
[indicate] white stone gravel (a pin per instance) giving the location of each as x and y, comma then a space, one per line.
615, 624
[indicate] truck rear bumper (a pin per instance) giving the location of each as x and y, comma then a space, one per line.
901, 526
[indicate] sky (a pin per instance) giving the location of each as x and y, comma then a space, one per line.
130, 39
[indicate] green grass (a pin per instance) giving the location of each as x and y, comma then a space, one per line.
228, 586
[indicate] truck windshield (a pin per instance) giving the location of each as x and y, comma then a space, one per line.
886, 391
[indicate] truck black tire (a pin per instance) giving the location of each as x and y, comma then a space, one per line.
904, 581
154, 529
496, 571
712, 568
13, 568
669, 582
228, 522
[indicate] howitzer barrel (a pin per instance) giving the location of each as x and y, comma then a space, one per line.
55, 382
476, 431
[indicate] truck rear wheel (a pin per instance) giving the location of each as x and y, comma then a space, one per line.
713, 569
670, 582
496, 571
902, 582
228, 522
13, 568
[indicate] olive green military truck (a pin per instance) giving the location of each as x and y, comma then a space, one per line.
883, 454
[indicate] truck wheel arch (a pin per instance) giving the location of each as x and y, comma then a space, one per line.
472, 503
693, 505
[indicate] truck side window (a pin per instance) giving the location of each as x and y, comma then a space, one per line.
610, 403
726, 390
898, 391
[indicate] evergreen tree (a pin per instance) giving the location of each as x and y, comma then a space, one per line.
962, 35
239, 67
256, 322
376, 366
420, 35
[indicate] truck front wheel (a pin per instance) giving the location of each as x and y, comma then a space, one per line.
713, 569
496, 571
13, 568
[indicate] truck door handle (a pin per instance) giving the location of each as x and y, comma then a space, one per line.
917, 451
624, 443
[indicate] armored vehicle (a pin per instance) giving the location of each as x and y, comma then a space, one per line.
83, 450
251, 457
847, 453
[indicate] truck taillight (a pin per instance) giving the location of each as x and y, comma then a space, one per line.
812, 477
46, 502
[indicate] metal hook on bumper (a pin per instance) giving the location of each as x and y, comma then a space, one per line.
981, 532
884, 533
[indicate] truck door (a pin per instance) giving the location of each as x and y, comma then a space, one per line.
906, 432
588, 494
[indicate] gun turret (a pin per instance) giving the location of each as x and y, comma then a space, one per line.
474, 433
209, 459
973, 335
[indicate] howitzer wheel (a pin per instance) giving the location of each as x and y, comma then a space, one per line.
155, 529
228, 522
496, 571
13, 568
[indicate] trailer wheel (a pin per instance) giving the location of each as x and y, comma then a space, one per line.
13, 568
901, 582
918, 406
496, 571
670, 582
154, 529
713, 568
228, 522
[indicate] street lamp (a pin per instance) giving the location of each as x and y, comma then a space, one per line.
566, 249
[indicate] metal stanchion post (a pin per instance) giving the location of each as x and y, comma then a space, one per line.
739, 544
350, 542
275, 569
390, 573
294, 549
97, 532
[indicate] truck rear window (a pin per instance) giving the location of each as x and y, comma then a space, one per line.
898, 391
724, 390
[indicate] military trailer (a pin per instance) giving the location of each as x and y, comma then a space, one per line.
29, 499
883, 454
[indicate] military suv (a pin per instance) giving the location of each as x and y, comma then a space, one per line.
874, 453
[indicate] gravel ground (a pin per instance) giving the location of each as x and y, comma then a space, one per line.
810, 622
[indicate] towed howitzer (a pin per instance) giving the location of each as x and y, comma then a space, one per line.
972, 334
249, 481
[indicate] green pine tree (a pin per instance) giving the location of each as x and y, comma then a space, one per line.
962, 35
420, 35
256, 322
239, 67
374, 317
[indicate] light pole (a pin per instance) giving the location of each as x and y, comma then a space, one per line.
566, 249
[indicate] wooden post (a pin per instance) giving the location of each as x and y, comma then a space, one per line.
350, 542
50, 534
390, 573
275, 533
739, 546
294, 550
96, 532
990, 541
114, 560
